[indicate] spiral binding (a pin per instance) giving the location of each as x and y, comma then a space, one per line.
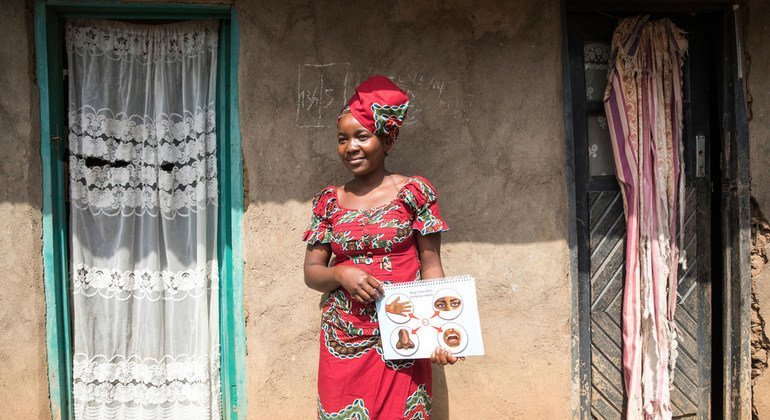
429, 282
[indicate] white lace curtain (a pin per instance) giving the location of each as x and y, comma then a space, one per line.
143, 220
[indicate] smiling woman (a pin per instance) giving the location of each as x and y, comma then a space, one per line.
380, 227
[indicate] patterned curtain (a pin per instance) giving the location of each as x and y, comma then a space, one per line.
143, 220
643, 103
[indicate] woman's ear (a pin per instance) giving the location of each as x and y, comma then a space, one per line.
390, 139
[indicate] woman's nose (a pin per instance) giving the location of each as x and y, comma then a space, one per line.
351, 146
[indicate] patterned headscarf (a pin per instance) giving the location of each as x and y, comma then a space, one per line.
379, 105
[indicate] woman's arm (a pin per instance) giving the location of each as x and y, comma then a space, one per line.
319, 276
429, 252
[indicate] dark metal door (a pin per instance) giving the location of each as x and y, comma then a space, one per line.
600, 222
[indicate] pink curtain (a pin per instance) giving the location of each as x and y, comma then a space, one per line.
643, 103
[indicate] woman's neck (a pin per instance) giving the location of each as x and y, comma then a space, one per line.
370, 181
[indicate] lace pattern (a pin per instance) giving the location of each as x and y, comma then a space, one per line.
146, 385
143, 283
142, 43
143, 139
166, 164
142, 146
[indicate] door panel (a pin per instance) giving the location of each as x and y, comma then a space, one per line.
601, 227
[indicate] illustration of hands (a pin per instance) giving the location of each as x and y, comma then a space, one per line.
398, 308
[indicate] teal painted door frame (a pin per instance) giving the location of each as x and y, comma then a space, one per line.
49, 47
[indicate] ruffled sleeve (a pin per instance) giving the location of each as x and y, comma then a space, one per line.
320, 228
420, 195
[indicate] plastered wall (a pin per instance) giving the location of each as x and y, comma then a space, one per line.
486, 128
23, 379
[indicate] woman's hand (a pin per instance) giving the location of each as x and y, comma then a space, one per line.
441, 356
361, 286
398, 308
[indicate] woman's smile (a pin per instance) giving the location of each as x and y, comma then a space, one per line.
360, 150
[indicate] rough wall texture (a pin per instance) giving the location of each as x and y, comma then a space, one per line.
486, 128
760, 276
23, 382
757, 34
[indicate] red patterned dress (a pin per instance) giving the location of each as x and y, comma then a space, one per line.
354, 381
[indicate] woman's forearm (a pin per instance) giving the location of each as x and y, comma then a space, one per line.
433, 271
429, 252
320, 277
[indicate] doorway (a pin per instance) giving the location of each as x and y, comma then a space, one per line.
599, 223
50, 19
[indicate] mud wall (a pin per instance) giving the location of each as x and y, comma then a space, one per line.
486, 128
23, 381
757, 32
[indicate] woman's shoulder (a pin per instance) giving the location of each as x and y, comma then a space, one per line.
324, 198
405, 181
421, 184
417, 191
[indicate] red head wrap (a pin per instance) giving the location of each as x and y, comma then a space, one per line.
379, 105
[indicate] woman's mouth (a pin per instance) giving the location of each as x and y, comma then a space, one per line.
355, 161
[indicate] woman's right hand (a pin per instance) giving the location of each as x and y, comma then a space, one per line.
360, 285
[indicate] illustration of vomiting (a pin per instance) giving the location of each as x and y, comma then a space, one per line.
404, 342
447, 303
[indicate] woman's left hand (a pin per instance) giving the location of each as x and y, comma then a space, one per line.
442, 356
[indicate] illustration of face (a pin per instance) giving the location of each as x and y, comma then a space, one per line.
447, 303
452, 337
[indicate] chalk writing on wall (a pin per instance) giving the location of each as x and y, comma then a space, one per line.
322, 90
320, 93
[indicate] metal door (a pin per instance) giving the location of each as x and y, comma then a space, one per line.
600, 222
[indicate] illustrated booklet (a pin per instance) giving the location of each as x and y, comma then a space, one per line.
417, 316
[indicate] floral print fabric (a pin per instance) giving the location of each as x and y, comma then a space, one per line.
354, 381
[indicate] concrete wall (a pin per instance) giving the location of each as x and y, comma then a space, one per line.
486, 128
23, 381
757, 34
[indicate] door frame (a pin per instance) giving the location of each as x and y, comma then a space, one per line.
49, 16
736, 371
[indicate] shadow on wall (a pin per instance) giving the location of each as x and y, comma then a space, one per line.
485, 123
485, 120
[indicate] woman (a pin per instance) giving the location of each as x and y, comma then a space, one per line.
380, 227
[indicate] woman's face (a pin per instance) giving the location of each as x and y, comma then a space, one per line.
360, 150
